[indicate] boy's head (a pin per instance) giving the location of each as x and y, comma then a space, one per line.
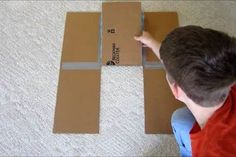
202, 62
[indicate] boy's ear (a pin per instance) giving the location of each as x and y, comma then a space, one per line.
176, 90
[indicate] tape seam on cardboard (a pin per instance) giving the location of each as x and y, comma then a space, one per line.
148, 64
100, 40
153, 65
142, 28
80, 65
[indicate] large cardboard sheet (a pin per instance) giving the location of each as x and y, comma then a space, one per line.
78, 96
159, 24
81, 40
158, 98
77, 108
159, 102
121, 22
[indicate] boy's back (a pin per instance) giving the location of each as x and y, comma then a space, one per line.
218, 137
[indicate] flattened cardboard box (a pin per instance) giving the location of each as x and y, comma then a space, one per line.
77, 107
159, 24
158, 98
121, 22
75, 111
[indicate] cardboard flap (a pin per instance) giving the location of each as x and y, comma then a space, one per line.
159, 24
159, 102
81, 37
77, 109
121, 22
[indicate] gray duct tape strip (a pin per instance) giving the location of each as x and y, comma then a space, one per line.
147, 64
143, 49
153, 65
80, 65
142, 20
100, 40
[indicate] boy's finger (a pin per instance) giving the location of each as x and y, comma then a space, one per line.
137, 38
144, 45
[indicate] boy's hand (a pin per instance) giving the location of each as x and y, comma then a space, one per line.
148, 41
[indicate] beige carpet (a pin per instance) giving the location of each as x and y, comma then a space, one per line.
31, 36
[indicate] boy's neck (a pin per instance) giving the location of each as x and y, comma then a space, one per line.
202, 114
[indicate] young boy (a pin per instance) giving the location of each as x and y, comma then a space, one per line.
200, 68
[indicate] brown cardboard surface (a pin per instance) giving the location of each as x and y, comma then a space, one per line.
121, 21
78, 96
159, 24
159, 102
77, 109
81, 37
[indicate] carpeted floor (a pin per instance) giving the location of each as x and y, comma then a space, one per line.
31, 35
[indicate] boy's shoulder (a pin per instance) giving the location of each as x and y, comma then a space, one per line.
233, 88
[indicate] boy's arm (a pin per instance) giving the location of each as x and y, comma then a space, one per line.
150, 42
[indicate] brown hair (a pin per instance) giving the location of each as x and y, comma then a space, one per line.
202, 62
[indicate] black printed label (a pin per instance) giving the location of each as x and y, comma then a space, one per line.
115, 53
111, 30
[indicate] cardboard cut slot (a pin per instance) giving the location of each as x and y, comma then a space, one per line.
121, 22
77, 109
81, 37
159, 102
159, 24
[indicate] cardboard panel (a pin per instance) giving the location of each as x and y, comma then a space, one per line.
81, 37
77, 109
159, 102
121, 21
159, 24
78, 96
